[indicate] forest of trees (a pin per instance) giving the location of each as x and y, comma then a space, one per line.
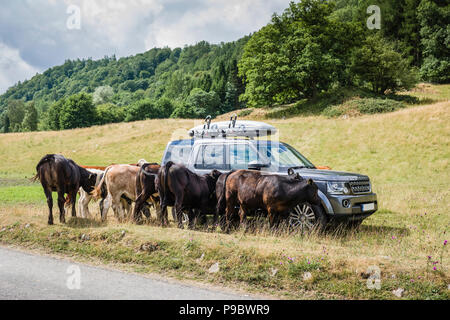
313, 46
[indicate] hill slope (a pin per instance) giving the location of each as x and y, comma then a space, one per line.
151, 74
406, 154
405, 149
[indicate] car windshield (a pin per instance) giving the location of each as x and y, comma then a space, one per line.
282, 156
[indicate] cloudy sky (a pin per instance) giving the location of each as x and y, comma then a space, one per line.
38, 34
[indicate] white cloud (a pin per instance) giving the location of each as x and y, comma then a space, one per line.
34, 34
214, 21
13, 68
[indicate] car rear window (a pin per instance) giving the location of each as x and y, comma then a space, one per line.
178, 151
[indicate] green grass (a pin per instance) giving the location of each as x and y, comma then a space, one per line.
22, 195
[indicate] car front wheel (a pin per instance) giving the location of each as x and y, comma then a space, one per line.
306, 217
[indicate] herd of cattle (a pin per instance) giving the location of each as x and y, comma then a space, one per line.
229, 196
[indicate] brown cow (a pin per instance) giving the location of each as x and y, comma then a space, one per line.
251, 190
120, 181
146, 189
187, 191
64, 176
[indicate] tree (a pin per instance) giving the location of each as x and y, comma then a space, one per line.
15, 112
77, 112
435, 32
103, 95
53, 115
381, 67
164, 108
4, 123
30, 120
199, 104
141, 110
299, 54
109, 113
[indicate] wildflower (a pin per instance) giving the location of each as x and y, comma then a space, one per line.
435, 269
445, 242
429, 257
394, 237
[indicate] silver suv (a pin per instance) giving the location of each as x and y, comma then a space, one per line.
225, 146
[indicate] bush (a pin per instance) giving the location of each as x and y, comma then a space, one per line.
372, 106
141, 110
363, 106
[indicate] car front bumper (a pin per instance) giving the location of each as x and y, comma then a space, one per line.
354, 207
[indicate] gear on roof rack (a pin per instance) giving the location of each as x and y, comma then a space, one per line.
232, 128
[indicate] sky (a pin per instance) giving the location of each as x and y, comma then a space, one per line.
38, 34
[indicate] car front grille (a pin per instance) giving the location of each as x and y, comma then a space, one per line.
360, 187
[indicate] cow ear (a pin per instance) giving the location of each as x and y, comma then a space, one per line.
298, 177
310, 182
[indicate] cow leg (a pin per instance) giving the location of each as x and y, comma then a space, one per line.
81, 208
179, 210
48, 195
273, 218
137, 208
192, 214
73, 201
105, 204
243, 217
83, 204
61, 202
230, 214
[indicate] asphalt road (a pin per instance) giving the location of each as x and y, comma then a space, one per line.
33, 277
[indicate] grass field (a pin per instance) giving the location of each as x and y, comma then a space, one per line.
406, 154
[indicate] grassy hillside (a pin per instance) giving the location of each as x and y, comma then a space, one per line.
406, 154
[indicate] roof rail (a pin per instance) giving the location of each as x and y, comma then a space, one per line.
232, 128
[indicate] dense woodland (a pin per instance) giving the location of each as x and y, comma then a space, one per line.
312, 47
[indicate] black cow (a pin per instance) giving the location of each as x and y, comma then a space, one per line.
187, 191
64, 176
251, 190
146, 189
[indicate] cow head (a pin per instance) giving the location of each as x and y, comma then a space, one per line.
312, 192
215, 174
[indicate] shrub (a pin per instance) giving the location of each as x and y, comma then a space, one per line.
372, 106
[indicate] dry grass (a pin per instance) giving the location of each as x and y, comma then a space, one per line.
406, 154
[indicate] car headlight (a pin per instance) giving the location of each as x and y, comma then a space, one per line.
337, 188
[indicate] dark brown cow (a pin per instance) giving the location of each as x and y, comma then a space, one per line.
64, 176
251, 190
146, 189
187, 191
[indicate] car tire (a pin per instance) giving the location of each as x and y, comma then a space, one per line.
306, 217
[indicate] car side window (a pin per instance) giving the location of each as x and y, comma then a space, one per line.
240, 155
211, 157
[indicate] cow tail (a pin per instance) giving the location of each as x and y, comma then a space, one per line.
45, 159
221, 200
97, 192
163, 190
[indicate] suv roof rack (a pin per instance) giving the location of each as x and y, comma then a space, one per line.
232, 128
